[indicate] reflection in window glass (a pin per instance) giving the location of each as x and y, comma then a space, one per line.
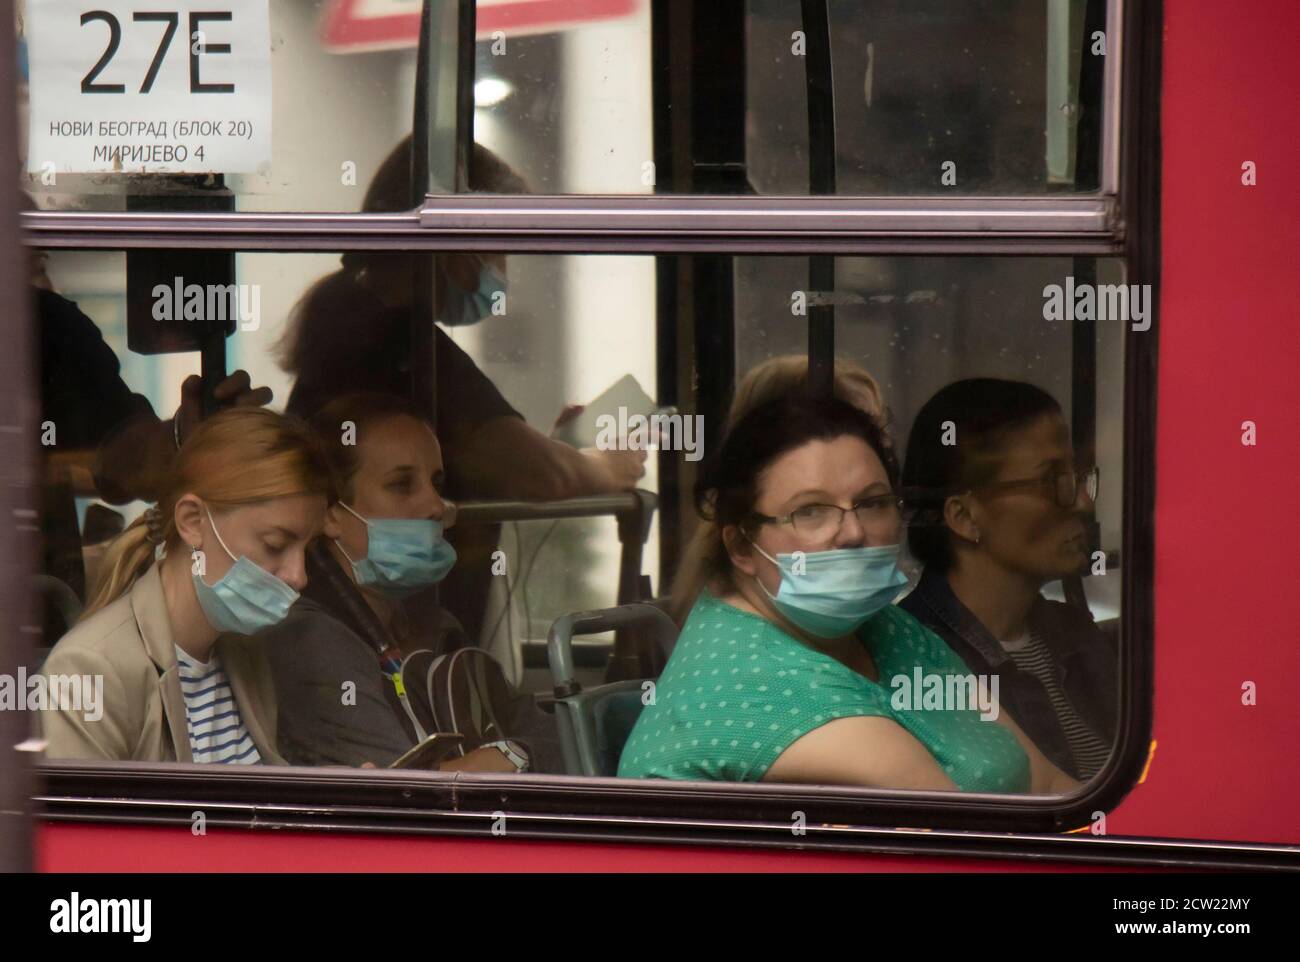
931, 97
422, 387
332, 113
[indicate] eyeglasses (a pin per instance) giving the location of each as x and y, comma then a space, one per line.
815, 522
1064, 485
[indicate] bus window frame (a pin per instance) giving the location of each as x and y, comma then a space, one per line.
1121, 220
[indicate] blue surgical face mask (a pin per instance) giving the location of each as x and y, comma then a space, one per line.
405, 554
247, 599
463, 307
831, 593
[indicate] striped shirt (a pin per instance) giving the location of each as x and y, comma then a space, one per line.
217, 732
1090, 750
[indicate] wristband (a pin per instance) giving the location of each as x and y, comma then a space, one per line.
513, 751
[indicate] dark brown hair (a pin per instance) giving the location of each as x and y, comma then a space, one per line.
361, 409
727, 488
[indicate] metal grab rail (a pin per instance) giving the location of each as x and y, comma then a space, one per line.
660, 630
634, 512
595, 722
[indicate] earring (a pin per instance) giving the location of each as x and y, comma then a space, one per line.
977, 536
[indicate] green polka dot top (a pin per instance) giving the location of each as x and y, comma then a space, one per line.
738, 691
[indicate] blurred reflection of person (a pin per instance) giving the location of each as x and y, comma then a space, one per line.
351, 331
100, 438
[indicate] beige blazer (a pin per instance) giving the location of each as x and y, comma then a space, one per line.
129, 643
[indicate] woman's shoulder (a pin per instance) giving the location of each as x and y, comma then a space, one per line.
899, 630
109, 635
311, 631
714, 625
711, 616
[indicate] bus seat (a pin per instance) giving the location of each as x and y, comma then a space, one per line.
61, 596
594, 723
60, 607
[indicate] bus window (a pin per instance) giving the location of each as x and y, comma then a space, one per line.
929, 98
453, 418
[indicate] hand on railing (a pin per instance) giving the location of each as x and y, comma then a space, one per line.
621, 469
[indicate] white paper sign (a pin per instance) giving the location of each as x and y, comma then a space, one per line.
149, 86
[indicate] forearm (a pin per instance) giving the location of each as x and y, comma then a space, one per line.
133, 461
505, 458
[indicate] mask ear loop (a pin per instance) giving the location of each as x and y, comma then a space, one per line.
757, 580
765, 554
338, 542
220, 540
344, 505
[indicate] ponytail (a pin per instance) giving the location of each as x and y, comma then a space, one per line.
126, 559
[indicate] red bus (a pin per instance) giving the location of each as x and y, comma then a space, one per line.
657, 197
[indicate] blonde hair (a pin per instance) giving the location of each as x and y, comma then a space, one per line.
705, 562
779, 376
238, 456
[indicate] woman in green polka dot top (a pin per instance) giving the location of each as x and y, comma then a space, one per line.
793, 664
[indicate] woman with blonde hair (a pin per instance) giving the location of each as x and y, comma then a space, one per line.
779, 376
774, 378
221, 556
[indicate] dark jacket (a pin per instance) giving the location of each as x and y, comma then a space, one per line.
1088, 662
331, 640
313, 657
84, 397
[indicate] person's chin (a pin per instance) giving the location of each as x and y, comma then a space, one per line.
1074, 555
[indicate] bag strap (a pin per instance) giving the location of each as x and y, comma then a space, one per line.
472, 665
329, 586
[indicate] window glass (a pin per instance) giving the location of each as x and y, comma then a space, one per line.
922, 322
933, 97
929, 98
502, 347
317, 106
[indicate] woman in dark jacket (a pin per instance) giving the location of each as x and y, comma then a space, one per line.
334, 658
998, 509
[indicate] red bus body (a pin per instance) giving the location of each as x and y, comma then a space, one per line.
1224, 526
